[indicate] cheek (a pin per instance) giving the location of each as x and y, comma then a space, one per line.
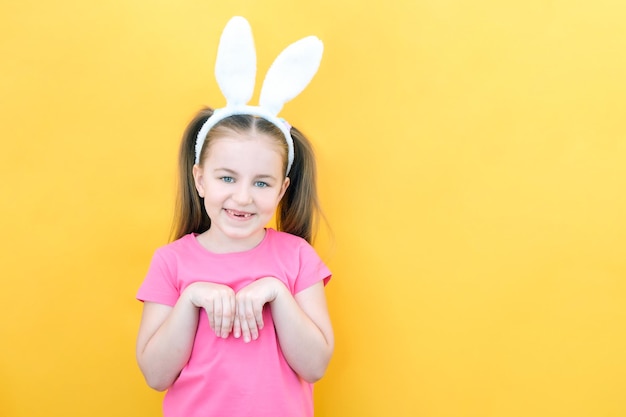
269, 201
277, 197
216, 190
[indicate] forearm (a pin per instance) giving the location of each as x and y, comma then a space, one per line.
165, 353
306, 346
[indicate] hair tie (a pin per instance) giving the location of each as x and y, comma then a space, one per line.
235, 71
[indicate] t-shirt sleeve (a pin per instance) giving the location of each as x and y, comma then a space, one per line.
159, 285
312, 269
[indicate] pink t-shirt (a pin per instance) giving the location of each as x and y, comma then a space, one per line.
227, 377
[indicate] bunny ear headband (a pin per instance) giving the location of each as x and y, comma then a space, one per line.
235, 71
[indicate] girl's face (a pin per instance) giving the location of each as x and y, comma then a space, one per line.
242, 181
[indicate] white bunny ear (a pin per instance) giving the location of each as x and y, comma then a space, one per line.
290, 73
235, 67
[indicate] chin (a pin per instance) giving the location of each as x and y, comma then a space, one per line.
243, 235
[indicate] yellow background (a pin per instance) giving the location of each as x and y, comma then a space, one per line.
472, 161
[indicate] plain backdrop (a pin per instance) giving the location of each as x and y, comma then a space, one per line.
472, 159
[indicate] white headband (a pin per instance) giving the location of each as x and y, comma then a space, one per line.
235, 71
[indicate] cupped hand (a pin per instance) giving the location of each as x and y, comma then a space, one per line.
218, 301
249, 306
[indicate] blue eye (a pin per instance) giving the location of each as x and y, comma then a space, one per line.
261, 184
227, 179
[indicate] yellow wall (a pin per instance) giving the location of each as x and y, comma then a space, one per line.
473, 169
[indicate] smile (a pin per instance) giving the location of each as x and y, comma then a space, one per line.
238, 214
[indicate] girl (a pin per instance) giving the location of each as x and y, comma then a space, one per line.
235, 321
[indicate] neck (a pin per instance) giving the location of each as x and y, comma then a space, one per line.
217, 243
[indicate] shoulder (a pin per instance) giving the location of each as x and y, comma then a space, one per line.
299, 257
292, 247
172, 252
162, 282
276, 237
182, 245
286, 242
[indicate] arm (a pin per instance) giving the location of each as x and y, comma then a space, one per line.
166, 334
304, 330
302, 323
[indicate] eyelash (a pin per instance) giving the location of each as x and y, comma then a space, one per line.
260, 184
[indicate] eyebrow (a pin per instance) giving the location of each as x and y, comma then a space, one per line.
231, 172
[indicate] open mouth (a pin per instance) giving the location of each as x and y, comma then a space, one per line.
238, 214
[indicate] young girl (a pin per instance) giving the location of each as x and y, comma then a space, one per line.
234, 320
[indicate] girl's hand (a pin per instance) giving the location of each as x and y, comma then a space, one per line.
219, 303
250, 301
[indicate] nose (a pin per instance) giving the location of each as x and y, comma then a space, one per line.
242, 195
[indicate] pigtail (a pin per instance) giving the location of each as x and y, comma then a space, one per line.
299, 210
190, 215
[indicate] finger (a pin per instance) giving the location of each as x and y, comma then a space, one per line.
211, 316
236, 326
245, 327
217, 316
228, 309
250, 318
241, 318
258, 316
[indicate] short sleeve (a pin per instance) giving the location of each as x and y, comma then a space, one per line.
159, 285
312, 269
